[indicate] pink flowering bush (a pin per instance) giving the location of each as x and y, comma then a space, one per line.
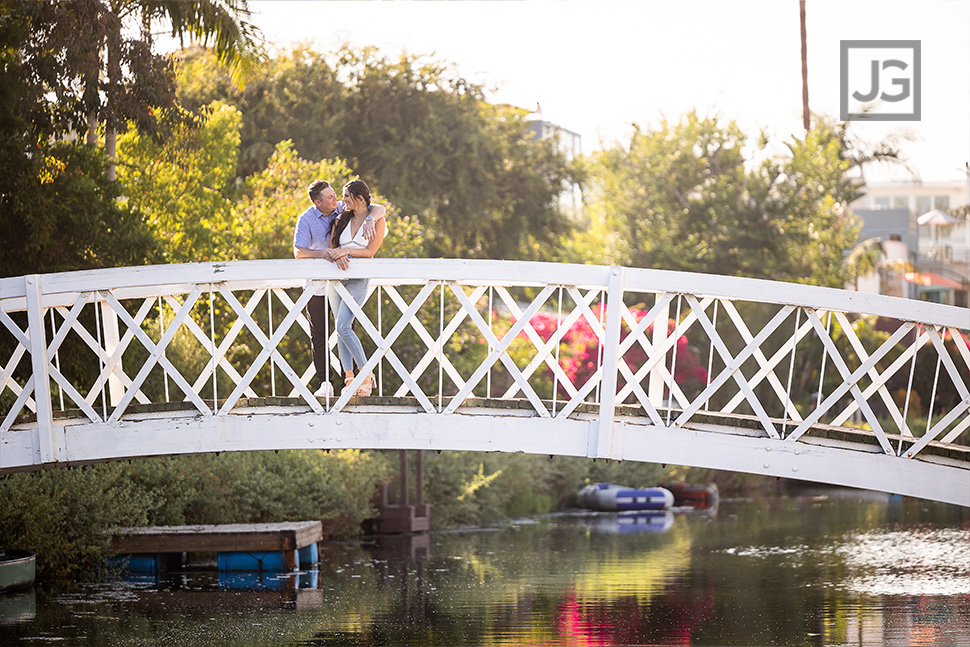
580, 354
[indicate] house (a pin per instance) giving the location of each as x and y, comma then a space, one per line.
926, 249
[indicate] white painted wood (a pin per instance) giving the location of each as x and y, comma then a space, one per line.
605, 445
269, 345
878, 380
767, 368
850, 381
112, 339
656, 389
434, 346
484, 272
267, 352
408, 430
733, 365
780, 390
498, 351
157, 353
50, 442
544, 350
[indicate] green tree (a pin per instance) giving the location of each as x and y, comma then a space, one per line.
484, 185
94, 64
74, 85
265, 216
186, 184
295, 96
59, 212
681, 197
677, 198
480, 182
805, 198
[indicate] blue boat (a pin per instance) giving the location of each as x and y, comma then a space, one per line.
609, 497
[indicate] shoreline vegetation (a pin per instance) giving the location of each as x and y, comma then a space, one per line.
63, 515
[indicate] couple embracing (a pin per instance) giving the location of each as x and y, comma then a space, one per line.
338, 230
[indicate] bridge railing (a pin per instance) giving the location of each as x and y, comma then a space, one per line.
560, 340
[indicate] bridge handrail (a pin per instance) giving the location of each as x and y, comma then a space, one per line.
58, 287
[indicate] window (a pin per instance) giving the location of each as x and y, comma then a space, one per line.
923, 204
882, 202
941, 202
901, 202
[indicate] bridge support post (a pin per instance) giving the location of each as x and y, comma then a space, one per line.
403, 516
655, 389
50, 446
109, 324
602, 444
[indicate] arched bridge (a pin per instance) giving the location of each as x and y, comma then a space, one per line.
611, 362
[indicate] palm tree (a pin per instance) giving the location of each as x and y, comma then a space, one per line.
225, 24
864, 259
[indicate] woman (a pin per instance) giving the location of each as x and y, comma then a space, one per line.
347, 241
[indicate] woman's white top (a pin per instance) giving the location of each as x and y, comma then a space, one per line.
356, 241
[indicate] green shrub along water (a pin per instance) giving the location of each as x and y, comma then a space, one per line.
65, 515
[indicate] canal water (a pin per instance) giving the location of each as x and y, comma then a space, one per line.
819, 568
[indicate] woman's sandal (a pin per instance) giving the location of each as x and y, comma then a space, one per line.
368, 386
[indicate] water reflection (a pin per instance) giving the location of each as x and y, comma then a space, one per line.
18, 607
808, 570
631, 522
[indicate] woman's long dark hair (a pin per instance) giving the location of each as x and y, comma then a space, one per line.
359, 190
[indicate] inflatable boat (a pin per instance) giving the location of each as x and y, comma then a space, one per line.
608, 497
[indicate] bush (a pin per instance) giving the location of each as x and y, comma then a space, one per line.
64, 515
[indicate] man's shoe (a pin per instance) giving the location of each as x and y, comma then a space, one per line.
325, 390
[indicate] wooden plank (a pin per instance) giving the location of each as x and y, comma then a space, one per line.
286, 536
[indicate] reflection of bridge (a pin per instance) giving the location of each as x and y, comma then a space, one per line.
491, 356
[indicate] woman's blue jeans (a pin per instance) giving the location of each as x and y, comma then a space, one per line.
349, 348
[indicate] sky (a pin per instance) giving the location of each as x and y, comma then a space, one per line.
598, 67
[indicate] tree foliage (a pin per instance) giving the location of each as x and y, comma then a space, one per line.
185, 185
60, 213
57, 211
272, 200
682, 197
474, 174
65, 62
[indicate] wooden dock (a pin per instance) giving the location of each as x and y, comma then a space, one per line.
286, 537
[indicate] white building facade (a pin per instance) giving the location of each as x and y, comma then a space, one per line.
923, 261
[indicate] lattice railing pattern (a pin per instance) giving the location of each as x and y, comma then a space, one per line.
670, 347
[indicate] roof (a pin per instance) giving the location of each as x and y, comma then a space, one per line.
932, 279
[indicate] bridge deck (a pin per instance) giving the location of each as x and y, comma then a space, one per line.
737, 424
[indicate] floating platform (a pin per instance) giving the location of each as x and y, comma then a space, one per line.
240, 546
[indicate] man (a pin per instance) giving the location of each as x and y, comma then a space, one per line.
312, 240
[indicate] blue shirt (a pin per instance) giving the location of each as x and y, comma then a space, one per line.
313, 227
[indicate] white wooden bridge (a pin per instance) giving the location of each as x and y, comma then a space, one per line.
771, 378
